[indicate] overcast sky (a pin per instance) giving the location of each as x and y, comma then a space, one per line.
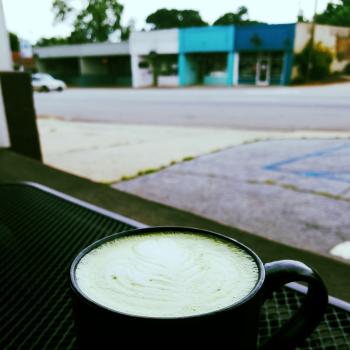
33, 19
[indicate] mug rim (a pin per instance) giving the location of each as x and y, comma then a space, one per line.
160, 229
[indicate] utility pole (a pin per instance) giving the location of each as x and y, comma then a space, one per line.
312, 43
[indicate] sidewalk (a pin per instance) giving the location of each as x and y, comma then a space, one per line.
108, 153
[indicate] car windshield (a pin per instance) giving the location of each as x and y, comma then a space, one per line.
41, 76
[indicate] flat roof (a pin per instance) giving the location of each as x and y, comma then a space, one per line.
83, 50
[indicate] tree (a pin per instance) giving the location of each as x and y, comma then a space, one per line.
301, 18
335, 14
126, 31
165, 18
14, 42
318, 57
52, 41
95, 22
238, 17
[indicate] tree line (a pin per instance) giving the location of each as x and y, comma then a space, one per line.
101, 18
97, 20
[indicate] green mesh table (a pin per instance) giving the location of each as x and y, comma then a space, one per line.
41, 231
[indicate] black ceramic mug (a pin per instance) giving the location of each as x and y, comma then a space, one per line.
234, 326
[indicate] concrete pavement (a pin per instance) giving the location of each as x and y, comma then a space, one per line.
108, 153
292, 191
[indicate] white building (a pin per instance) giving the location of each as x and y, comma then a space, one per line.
336, 39
163, 43
87, 64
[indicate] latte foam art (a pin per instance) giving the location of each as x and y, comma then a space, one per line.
167, 274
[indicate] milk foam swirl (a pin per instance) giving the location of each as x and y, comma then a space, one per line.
167, 274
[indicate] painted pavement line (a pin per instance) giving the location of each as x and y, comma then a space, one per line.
329, 175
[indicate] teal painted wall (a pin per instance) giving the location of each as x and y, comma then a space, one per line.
230, 68
230, 39
187, 71
207, 39
214, 81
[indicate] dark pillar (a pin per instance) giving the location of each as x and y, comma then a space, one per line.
20, 113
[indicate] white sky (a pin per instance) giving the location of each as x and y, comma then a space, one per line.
33, 19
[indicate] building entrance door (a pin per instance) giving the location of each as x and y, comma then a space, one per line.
263, 70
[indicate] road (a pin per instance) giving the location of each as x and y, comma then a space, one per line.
274, 108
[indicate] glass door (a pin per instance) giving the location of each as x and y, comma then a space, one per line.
263, 70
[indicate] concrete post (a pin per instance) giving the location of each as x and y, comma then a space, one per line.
287, 68
182, 67
187, 75
236, 69
230, 68
5, 65
135, 70
141, 77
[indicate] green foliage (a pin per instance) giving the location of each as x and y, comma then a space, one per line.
52, 41
61, 9
301, 18
335, 14
238, 17
320, 59
95, 22
347, 69
14, 42
165, 18
125, 33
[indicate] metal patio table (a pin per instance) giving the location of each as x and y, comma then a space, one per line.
42, 230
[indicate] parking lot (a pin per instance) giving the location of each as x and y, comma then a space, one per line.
293, 191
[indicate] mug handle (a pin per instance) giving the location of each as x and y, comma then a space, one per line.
307, 318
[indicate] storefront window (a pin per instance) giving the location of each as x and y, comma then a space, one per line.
247, 67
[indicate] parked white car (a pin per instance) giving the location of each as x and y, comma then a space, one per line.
45, 83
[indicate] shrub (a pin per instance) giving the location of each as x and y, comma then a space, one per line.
320, 58
347, 69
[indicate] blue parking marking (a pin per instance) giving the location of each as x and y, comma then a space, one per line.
324, 174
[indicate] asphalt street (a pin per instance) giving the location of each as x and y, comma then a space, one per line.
274, 108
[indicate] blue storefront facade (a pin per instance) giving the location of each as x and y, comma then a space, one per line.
228, 55
265, 53
206, 55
